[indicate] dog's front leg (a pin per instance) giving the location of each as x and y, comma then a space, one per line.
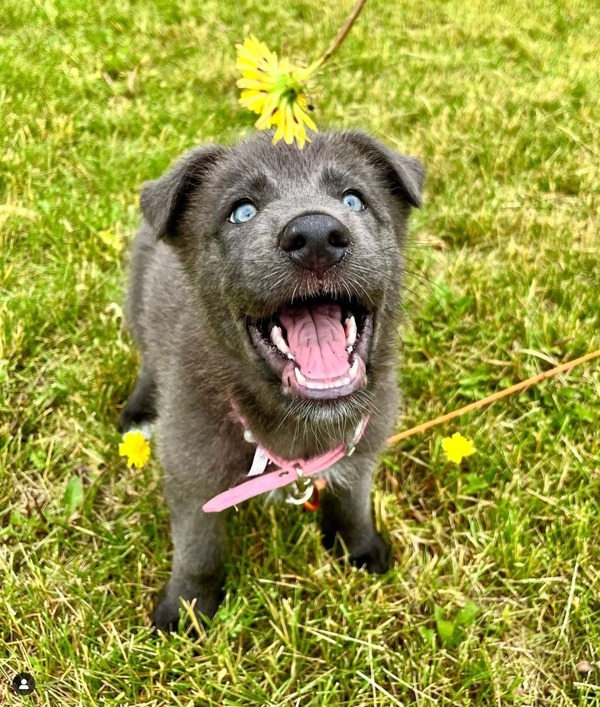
346, 512
195, 472
200, 548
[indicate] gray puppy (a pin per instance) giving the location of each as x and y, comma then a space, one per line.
265, 297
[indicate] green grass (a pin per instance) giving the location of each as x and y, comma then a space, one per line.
500, 101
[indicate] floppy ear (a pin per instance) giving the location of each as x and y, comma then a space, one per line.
405, 175
163, 200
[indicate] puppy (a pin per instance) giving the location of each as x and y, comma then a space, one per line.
265, 297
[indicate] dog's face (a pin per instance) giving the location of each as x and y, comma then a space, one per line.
295, 258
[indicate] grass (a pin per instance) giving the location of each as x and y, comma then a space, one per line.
494, 593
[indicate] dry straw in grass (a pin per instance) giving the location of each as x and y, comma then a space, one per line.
492, 398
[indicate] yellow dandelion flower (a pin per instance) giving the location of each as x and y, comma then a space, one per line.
457, 447
136, 448
276, 90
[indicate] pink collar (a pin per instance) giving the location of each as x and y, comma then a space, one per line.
287, 473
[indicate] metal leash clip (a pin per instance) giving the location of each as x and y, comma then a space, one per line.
301, 490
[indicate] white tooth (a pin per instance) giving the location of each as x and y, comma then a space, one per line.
346, 381
279, 341
299, 377
354, 368
350, 329
349, 349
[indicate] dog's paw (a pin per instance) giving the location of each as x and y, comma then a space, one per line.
135, 419
375, 557
166, 616
141, 406
169, 610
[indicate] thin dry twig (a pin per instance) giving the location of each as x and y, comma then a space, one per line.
492, 398
341, 35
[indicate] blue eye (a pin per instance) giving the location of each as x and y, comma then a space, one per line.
353, 201
243, 212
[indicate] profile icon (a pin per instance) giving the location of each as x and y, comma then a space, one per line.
23, 684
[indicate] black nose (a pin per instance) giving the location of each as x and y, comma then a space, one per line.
315, 241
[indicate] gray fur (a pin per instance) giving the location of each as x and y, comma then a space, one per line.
195, 279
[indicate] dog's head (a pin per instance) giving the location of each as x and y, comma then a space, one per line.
295, 258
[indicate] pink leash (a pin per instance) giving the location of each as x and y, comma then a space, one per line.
288, 472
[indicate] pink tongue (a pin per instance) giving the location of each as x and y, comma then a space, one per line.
317, 339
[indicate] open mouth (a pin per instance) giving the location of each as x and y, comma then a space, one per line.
319, 347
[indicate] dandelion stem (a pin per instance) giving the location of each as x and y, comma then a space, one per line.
495, 396
341, 35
